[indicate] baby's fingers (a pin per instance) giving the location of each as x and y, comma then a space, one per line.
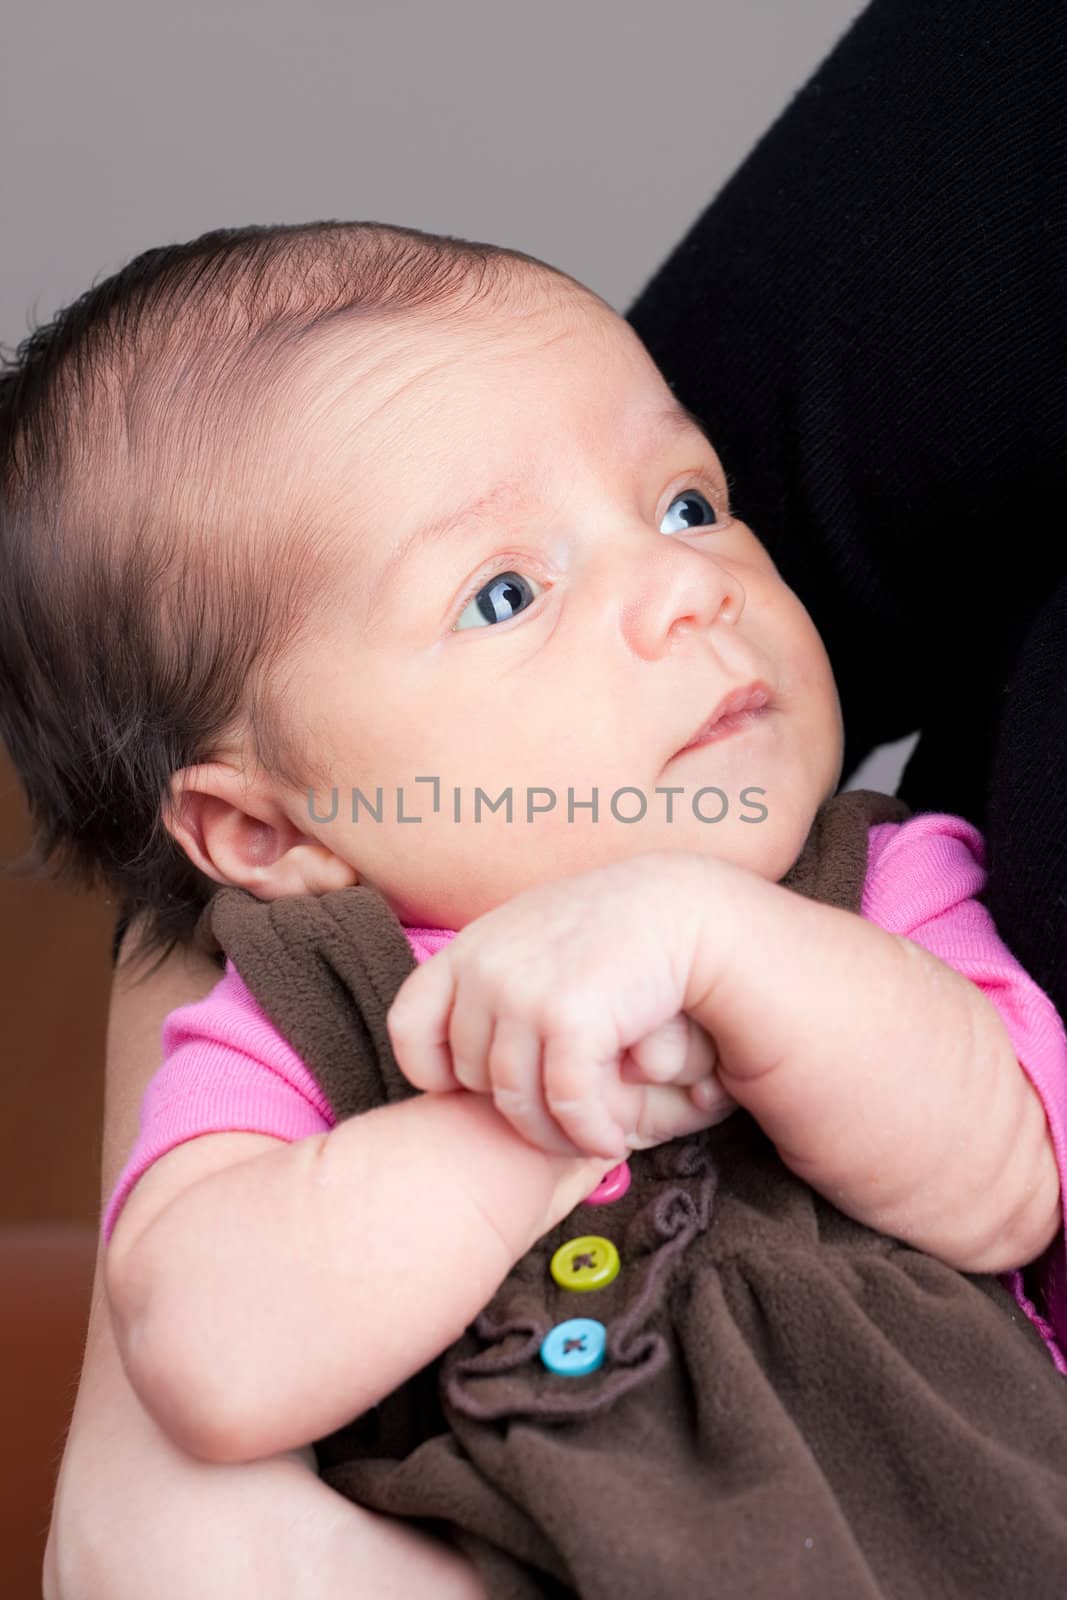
515, 1069
679, 1051
418, 1025
669, 1112
575, 1070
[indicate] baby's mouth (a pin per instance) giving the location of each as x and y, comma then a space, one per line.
736, 711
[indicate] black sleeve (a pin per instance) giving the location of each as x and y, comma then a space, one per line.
871, 319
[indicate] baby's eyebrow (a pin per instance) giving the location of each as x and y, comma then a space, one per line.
671, 421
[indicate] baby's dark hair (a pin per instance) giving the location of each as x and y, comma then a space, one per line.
147, 595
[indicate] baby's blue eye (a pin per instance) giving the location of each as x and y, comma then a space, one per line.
687, 520
496, 601
507, 593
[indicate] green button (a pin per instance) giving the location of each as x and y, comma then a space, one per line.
586, 1263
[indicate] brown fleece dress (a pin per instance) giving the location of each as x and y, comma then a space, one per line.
790, 1407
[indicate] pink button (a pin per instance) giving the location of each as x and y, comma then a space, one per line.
612, 1186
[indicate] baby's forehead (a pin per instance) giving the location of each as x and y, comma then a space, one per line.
385, 384
572, 324
376, 405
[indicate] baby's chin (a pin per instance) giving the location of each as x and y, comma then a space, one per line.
767, 846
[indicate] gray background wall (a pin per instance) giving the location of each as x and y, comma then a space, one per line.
588, 132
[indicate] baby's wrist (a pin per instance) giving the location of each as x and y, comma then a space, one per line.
521, 1190
575, 1178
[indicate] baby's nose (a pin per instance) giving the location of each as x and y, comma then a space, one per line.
692, 592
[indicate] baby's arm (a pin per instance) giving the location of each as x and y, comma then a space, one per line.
266, 1293
135, 1516
886, 1078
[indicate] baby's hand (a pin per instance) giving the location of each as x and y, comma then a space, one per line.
565, 1004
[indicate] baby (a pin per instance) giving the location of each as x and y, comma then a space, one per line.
261, 495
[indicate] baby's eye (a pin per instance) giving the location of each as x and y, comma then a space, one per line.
507, 593
687, 518
501, 598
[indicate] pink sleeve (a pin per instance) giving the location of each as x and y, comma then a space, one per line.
923, 877
226, 1069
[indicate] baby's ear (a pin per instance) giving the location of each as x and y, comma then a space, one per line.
237, 832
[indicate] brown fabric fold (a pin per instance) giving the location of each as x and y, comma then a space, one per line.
791, 1405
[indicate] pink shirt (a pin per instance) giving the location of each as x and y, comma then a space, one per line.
227, 1069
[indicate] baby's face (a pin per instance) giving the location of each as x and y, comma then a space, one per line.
540, 588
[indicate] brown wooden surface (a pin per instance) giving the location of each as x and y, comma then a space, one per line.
46, 1272
55, 960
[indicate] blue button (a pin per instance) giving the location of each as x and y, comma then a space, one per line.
574, 1347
